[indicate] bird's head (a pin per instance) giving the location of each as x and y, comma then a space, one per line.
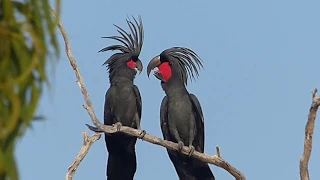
126, 62
175, 64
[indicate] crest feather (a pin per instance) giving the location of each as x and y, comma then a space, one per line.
131, 44
187, 61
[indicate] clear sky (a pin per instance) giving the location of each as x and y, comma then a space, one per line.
261, 62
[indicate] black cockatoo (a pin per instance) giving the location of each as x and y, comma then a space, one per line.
181, 116
123, 100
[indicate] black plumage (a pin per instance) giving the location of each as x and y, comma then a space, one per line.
123, 103
181, 116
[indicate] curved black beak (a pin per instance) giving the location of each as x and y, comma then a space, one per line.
155, 62
139, 66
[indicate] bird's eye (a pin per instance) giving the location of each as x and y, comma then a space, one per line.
170, 63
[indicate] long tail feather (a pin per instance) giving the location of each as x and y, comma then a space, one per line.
189, 168
122, 157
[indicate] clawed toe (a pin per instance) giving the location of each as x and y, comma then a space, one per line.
180, 145
191, 150
142, 133
118, 125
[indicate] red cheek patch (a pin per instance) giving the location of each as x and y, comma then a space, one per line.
131, 64
165, 71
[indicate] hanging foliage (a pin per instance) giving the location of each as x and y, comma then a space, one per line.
27, 38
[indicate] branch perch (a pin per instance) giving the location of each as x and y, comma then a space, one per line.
87, 143
216, 160
309, 129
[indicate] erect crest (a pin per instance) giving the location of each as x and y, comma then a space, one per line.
187, 61
131, 43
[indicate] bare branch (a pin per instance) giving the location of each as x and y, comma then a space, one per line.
218, 161
88, 105
215, 159
309, 129
87, 143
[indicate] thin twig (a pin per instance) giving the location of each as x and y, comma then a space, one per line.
134, 132
218, 151
87, 143
309, 129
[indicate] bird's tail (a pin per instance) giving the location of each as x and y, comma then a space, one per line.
189, 168
121, 163
202, 170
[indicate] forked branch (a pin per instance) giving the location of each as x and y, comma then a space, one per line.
216, 160
304, 160
87, 143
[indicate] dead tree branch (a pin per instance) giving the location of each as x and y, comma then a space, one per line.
87, 143
216, 160
309, 129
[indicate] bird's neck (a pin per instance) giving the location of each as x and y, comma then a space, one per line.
174, 88
121, 80
122, 76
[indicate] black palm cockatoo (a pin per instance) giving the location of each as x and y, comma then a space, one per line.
181, 116
123, 101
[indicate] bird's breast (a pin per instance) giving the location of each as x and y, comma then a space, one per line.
125, 106
179, 116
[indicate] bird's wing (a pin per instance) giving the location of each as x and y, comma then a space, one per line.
138, 99
108, 106
199, 123
164, 119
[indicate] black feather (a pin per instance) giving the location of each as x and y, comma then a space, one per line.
187, 61
131, 45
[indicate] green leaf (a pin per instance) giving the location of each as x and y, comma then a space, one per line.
27, 32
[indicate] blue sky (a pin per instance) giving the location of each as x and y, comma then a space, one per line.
261, 62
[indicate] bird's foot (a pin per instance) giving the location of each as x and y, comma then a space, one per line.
180, 145
142, 133
94, 129
118, 125
191, 150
